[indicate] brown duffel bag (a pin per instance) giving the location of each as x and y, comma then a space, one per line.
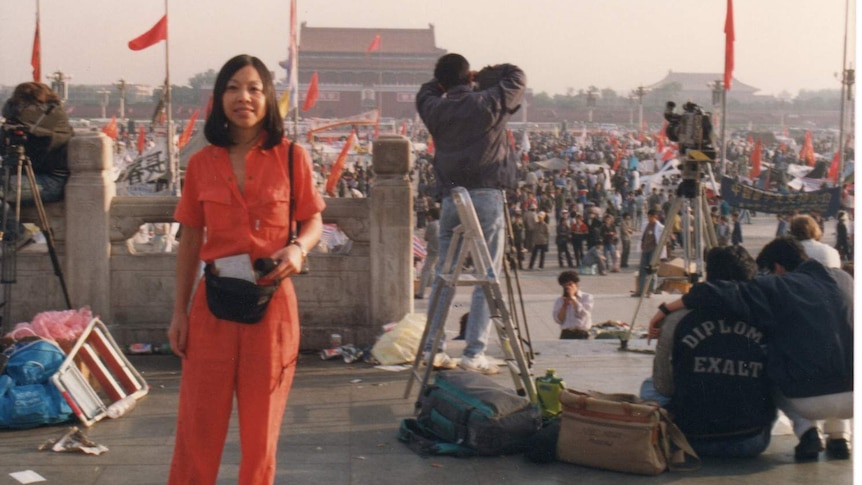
621, 432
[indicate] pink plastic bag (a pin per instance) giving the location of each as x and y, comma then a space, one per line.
61, 326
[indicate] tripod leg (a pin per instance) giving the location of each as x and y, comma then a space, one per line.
510, 239
46, 228
675, 207
9, 271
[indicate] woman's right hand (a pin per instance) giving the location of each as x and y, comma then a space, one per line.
178, 333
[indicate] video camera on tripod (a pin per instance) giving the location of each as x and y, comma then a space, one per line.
692, 130
12, 142
15, 160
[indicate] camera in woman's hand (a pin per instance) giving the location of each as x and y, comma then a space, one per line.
264, 266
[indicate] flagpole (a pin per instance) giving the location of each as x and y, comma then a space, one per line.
844, 92
724, 132
173, 168
39, 31
293, 59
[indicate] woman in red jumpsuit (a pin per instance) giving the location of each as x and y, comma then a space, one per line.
236, 201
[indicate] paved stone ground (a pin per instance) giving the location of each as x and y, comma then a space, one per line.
341, 420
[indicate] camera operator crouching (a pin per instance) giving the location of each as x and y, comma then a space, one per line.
36, 121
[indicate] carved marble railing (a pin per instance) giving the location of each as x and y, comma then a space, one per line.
353, 294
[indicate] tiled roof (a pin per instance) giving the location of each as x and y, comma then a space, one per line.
697, 81
357, 40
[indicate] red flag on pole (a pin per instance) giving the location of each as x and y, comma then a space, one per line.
142, 140
511, 137
36, 56
157, 33
311, 95
807, 151
729, 38
187, 132
618, 156
756, 159
111, 128
833, 168
338, 166
374, 45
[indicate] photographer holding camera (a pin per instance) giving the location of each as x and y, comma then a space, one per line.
573, 310
472, 151
35, 120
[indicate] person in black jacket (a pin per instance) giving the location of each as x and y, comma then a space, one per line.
806, 312
710, 370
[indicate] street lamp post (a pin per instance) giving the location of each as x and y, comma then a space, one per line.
591, 101
639, 93
58, 84
121, 85
104, 102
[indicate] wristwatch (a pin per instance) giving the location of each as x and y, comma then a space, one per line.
664, 309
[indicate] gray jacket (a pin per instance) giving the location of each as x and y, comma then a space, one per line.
469, 131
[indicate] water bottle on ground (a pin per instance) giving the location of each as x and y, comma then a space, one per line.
122, 407
548, 388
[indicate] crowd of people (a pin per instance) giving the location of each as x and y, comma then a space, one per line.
590, 212
729, 356
735, 342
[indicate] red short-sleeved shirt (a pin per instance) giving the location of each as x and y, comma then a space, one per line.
254, 222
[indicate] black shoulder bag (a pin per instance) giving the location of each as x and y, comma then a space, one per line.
243, 301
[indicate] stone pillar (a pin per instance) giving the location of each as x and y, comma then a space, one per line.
391, 251
89, 191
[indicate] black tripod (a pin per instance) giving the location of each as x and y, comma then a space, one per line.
15, 156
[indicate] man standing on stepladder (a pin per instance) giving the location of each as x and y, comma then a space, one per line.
468, 125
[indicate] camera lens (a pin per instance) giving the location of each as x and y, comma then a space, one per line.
265, 265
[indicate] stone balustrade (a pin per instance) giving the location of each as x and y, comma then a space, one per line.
350, 294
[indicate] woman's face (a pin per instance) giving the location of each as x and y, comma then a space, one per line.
243, 101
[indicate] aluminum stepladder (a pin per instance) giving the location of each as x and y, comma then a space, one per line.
98, 352
468, 243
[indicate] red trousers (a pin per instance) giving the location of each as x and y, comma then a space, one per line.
254, 362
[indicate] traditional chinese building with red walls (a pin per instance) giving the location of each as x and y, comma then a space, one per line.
352, 78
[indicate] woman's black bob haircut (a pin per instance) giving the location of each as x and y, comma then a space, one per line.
216, 128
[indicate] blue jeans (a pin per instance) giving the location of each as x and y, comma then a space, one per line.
744, 447
51, 188
646, 256
610, 251
489, 205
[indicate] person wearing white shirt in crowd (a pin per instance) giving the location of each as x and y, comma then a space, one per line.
573, 310
806, 230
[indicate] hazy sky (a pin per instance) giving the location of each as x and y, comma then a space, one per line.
619, 44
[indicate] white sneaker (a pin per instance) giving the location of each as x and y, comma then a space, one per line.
479, 364
443, 361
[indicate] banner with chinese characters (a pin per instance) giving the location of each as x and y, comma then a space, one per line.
826, 201
146, 168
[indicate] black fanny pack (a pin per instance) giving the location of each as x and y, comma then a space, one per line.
235, 299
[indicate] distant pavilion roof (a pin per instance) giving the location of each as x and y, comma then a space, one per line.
357, 40
697, 81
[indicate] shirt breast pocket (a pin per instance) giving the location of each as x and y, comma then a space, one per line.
271, 210
218, 208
